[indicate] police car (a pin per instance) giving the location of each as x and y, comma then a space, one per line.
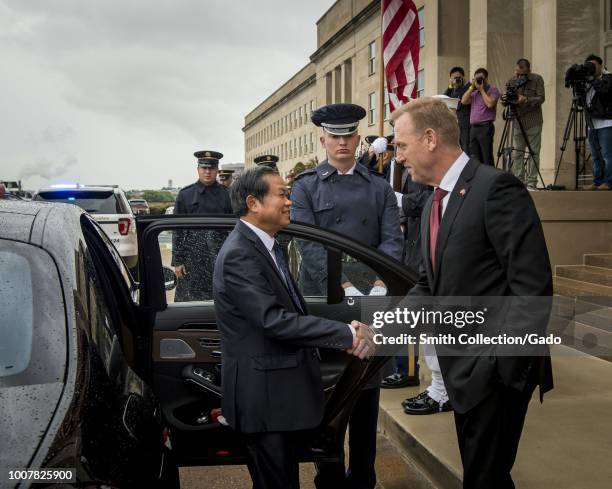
110, 208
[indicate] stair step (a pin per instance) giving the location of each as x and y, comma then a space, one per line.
577, 288
586, 273
603, 260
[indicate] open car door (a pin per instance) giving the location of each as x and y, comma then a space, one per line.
185, 352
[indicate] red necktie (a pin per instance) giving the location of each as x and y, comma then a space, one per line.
434, 223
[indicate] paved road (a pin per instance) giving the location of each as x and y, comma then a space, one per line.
393, 470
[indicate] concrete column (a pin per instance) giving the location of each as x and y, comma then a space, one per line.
578, 34
543, 34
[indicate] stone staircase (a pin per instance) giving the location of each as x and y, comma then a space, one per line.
582, 312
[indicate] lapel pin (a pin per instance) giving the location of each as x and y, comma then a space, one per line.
325, 173
462, 192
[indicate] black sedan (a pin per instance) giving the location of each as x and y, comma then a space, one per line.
113, 380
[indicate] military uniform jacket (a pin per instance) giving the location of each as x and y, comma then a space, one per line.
197, 250
362, 206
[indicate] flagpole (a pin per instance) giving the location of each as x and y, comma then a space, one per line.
381, 91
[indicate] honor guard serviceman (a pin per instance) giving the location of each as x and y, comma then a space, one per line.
194, 252
344, 196
225, 177
267, 160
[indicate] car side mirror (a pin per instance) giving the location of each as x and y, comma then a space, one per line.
170, 278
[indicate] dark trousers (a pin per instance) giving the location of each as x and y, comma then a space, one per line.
272, 460
362, 449
481, 142
489, 436
464, 139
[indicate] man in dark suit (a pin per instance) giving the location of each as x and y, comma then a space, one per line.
272, 386
481, 237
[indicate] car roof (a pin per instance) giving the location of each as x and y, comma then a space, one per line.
95, 188
26, 221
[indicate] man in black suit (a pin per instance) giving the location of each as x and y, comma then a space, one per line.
272, 387
481, 237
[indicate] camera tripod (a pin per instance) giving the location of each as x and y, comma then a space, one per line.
506, 148
577, 120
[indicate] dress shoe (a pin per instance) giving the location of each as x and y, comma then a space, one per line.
604, 186
397, 381
423, 404
591, 187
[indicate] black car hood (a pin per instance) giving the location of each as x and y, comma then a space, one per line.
25, 414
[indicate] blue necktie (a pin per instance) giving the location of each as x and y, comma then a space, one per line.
282, 265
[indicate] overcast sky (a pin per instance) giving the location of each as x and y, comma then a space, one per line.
125, 91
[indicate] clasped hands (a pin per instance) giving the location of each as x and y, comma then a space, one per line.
363, 341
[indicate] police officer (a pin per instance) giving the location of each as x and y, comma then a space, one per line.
194, 252
344, 196
225, 177
267, 160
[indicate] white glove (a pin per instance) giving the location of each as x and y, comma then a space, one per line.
352, 291
378, 290
380, 145
399, 196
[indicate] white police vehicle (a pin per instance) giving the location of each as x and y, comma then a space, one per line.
109, 207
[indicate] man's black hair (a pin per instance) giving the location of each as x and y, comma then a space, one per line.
524, 62
457, 68
483, 71
593, 57
251, 182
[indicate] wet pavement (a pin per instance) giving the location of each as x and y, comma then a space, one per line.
394, 471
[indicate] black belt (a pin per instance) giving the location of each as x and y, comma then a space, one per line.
482, 124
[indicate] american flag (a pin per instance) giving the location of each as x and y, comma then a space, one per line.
401, 50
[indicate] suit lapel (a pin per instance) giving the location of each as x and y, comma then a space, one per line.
455, 202
259, 246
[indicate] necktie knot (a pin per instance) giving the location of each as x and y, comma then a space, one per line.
439, 194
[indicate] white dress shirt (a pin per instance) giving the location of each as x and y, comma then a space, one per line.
451, 177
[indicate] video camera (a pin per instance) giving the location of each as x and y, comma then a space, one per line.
511, 96
577, 76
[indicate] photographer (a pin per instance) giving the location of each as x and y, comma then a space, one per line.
526, 94
482, 98
599, 107
458, 85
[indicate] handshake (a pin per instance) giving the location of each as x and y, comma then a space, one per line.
363, 341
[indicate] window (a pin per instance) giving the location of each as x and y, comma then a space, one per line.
420, 83
33, 328
421, 27
338, 84
311, 143
300, 118
372, 58
94, 202
371, 108
348, 81
328, 88
312, 106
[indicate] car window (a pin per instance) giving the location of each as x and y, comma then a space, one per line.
195, 250
32, 317
94, 202
91, 225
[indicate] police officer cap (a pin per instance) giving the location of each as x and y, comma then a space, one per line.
208, 159
225, 174
338, 119
267, 160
